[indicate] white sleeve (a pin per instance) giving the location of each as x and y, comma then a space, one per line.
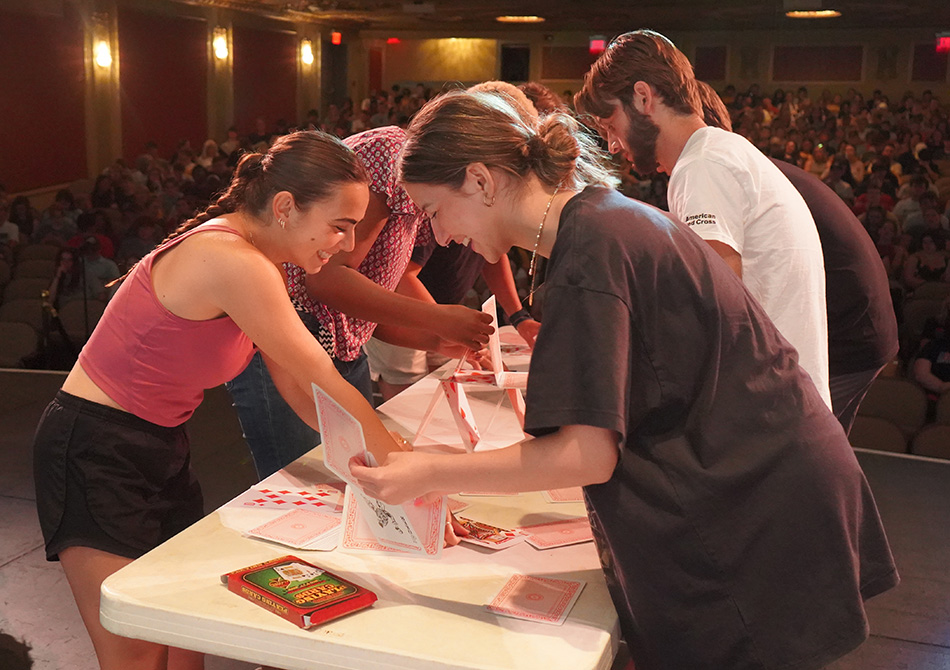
707, 197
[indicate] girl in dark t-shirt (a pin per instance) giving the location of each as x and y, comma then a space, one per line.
734, 524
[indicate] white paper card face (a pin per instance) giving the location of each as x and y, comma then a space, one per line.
342, 435
358, 534
494, 341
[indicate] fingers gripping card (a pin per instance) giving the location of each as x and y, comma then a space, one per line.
390, 524
359, 534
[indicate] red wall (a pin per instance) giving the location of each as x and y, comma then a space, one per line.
265, 77
817, 63
42, 113
164, 72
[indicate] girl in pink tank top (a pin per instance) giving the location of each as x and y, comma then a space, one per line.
111, 457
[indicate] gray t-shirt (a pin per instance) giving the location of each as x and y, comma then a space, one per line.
738, 530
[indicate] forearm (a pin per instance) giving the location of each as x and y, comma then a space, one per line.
923, 373
413, 338
557, 460
294, 387
346, 290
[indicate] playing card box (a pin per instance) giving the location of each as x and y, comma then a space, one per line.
298, 591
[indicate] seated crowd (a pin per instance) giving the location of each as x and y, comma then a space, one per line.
890, 161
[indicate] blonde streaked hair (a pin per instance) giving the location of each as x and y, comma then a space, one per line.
459, 128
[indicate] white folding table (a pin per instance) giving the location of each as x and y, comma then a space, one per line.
430, 613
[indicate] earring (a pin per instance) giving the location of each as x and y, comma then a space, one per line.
490, 203
283, 224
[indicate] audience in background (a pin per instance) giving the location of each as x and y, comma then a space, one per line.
888, 160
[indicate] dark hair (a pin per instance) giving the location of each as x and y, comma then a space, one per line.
459, 128
308, 164
715, 113
641, 55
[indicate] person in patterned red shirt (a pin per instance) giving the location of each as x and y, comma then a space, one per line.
346, 302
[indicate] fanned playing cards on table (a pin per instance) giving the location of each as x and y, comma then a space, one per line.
414, 529
540, 599
301, 529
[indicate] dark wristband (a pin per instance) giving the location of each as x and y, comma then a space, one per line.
519, 317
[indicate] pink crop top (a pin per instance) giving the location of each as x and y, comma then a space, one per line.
157, 365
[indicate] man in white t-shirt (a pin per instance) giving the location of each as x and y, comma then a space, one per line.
646, 103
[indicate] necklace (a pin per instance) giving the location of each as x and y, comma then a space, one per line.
534, 254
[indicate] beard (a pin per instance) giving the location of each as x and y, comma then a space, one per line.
641, 138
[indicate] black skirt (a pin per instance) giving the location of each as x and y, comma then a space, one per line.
109, 480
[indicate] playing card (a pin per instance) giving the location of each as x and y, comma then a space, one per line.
486, 377
572, 494
342, 435
486, 535
322, 498
297, 528
494, 340
359, 533
515, 349
454, 505
538, 599
356, 532
558, 533
462, 413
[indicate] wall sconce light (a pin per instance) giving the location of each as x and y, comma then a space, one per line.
102, 53
219, 42
306, 52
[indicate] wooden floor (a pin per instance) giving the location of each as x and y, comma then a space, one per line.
910, 625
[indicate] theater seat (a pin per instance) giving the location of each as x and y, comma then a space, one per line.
17, 341
934, 441
24, 310
871, 432
900, 401
943, 409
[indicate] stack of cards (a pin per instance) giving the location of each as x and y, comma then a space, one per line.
487, 535
558, 533
413, 529
302, 529
451, 387
537, 598
573, 494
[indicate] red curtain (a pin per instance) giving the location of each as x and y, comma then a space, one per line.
42, 109
265, 77
164, 72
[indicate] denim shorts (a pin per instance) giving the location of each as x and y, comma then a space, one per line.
109, 480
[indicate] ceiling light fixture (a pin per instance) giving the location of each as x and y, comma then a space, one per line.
813, 14
519, 19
